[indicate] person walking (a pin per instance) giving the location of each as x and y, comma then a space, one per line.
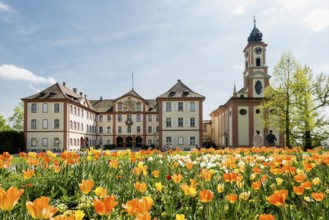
258, 139
270, 138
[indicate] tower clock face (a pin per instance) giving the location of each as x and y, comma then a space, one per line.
258, 50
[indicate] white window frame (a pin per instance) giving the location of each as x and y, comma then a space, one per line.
44, 124
44, 142
34, 108
180, 141
56, 108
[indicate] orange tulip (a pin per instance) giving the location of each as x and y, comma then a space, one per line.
298, 190
140, 186
106, 207
256, 185
231, 198
114, 164
189, 165
266, 217
28, 174
278, 197
306, 185
229, 177
9, 198
86, 186
206, 196
137, 207
206, 174
300, 178
177, 178
318, 196
40, 209
156, 173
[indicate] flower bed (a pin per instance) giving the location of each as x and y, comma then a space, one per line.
253, 183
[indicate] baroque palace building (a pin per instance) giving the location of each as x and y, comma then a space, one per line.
59, 118
234, 123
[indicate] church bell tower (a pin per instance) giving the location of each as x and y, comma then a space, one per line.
255, 73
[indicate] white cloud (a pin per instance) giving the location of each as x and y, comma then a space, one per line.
317, 20
15, 73
4, 7
293, 4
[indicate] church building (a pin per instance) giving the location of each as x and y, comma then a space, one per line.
234, 123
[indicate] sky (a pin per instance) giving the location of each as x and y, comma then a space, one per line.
96, 45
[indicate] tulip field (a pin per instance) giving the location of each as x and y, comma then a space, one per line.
206, 184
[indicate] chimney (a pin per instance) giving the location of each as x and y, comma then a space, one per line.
80, 93
85, 96
101, 98
64, 83
178, 80
75, 90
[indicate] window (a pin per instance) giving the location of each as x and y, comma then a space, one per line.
243, 111
192, 140
119, 106
71, 109
180, 141
149, 129
129, 117
180, 122
129, 129
108, 129
168, 106
75, 142
33, 124
168, 140
44, 123
81, 112
257, 61
75, 125
100, 130
139, 106
204, 128
168, 122
71, 125
192, 122
138, 118
75, 110
56, 142
44, 142
100, 118
119, 129
149, 142
180, 106
56, 107
33, 142
149, 118
157, 128
138, 129
34, 108
119, 118
81, 126
109, 118
192, 106
56, 123
71, 142
157, 117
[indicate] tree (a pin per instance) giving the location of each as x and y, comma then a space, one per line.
294, 102
3, 124
17, 120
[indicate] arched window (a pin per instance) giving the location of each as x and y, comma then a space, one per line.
257, 61
33, 124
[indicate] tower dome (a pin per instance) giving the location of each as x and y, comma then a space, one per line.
255, 35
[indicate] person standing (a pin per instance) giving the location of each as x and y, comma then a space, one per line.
258, 139
270, 138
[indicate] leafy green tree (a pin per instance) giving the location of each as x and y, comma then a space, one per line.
17, 120
3, 124
295, 102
